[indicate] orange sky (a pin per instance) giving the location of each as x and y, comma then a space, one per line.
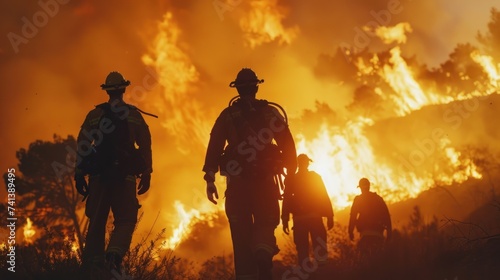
50, 72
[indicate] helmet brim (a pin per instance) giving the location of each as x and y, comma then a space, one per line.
113, 87
237, 83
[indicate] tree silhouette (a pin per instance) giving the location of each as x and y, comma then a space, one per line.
491, 40
45, 187
460, 73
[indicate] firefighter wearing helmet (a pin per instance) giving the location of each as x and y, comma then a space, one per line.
242, 148
111, 164
307, 199
370, 217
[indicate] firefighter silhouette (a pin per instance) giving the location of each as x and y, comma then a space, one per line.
107, 141
370, 216
250, 144
306, 198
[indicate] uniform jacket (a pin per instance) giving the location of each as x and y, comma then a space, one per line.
245, 129
306, 195
369, 213
139, 134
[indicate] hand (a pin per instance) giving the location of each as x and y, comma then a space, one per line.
286, 228
81, 185
329, 223
144, 183
351, 236
211, 192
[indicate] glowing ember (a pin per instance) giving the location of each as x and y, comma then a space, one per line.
72, 243
28, 231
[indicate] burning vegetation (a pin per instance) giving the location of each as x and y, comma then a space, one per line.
375, 112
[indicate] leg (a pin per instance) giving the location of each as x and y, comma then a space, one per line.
125, 206
97, 210
301, 240
241, 226
319, 241
266, 218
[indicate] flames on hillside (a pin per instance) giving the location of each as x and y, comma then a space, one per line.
260, 35
341, 153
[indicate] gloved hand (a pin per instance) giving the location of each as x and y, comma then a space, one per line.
329, 223
211, 192
144, 183
286, 228
81, 185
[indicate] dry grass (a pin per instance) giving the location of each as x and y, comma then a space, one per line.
417, 251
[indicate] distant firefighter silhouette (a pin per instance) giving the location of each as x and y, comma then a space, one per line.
370, 217
259, 147
307, 200
109, 158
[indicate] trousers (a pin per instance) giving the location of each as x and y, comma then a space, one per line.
252, 209
119, 197
303, 227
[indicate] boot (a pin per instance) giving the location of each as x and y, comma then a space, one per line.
265, 263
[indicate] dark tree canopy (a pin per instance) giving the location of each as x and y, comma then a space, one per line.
491, 40
45, 187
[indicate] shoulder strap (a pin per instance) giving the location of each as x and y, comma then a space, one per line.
141, 111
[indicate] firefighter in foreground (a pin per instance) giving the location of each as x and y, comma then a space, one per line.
112, 163
370, 216
253, 164
307, 200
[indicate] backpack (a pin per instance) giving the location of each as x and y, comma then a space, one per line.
247, 123
115, 155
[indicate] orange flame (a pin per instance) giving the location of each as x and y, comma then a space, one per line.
177, 76
28, 231
341, 155
395, 33
263, 24
492, 70
73, 244
187, 220
184, 227
410, 95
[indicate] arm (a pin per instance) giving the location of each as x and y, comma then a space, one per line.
216, 144
144, 143
287, 205
215, 148
143, 140
285, 141
387, 220
353, 218
326, 207
82, 159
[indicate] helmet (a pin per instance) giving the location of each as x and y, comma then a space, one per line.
246, 77
363, 182
303, 158
115, 80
